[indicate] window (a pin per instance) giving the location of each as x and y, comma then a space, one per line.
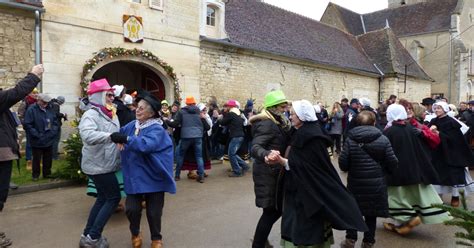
211, 16
156, 4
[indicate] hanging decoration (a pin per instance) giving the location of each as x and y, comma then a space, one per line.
111, 52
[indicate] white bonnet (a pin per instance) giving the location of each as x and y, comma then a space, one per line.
304, 110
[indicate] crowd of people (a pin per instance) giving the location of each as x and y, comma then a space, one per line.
400, 158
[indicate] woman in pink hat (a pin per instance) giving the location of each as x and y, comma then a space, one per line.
100, 160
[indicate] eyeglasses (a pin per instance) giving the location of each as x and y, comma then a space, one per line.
110, 95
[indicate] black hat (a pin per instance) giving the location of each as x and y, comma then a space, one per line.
471, 102
150, 99
354, 100
427, 101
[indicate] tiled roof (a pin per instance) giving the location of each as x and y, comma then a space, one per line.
263, 27
431, 16
386, 51
351, 19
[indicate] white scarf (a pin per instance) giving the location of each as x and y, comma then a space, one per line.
146, 124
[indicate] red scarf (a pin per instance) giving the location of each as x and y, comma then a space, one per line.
104, 110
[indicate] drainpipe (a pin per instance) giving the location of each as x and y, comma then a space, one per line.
450, 66
380, 82
38, 43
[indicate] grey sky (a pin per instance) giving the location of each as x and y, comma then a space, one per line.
315, 8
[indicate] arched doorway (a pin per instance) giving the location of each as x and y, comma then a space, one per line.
133, 75
134, 68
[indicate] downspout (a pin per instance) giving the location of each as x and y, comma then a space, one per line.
380, 82
450, 65
38, 43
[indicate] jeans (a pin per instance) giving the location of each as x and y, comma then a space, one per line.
5, 176
369, 236
154, 210
28, 149
237, 163
184, 144
56, 145
108, 198
45, 155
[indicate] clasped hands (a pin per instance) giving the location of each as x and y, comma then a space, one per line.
119, 139
274, 157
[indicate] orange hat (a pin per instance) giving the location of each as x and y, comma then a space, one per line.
190, 100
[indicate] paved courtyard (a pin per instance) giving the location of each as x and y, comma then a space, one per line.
219, 213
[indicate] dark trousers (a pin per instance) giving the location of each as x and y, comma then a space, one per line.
57, 138
336, 138
108, 198
5, 176
46, 155
369, 236
154, 210
269, 217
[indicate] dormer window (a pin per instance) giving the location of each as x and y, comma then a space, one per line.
211, 16
212, 19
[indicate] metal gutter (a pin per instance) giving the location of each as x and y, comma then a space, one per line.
23, 6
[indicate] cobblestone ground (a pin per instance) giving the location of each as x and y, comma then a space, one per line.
218, 213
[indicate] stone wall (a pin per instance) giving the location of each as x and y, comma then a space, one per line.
414, 90
17, 53
229, 73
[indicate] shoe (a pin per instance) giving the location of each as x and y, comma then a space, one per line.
192, 175
455, 201
406, 228
5, 242
235, 175
137, 241
29, 165
88, 242
367, 245
205, 174
389, 226
156, 244
177, 178
200, 179
268, 245
13, 186
348, 243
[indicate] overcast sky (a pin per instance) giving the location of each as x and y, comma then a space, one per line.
315, 8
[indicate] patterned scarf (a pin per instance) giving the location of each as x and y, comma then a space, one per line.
108, 110
278, 117
139, 126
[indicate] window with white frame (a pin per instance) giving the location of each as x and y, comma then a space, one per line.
156, 4
211, 16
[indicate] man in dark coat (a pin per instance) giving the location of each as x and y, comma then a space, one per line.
56, 106
351, 114
124, 114
9, 149
42, 126
189, 119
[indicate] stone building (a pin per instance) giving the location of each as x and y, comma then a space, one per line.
438, 34
212, 48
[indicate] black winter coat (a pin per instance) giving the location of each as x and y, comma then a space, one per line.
9, 149
313, 192
414, 163
41, 125
234, 123
124, 114
267, 135
367, 156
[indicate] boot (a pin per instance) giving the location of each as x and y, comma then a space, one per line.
192, 175
29, 165
455, 201
156, 244
407, 227
137, 241
348, 243
367, 245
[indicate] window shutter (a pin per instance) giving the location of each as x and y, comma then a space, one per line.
156, 4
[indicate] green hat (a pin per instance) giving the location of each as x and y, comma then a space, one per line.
273, 98
165, 102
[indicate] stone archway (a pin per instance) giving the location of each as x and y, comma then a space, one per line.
109, 56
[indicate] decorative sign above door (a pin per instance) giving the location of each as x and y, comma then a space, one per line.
132, 29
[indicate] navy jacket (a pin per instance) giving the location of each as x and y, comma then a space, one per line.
41, 125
